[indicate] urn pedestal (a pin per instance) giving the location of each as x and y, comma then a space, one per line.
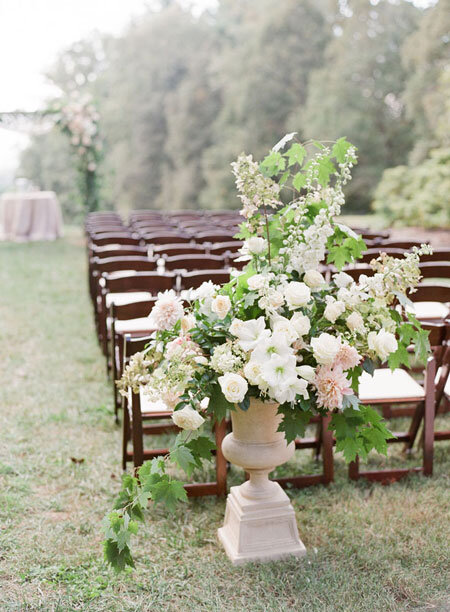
259, 521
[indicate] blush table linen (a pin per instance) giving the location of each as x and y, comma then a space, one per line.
30, 216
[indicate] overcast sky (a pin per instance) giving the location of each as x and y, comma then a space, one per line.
32, 32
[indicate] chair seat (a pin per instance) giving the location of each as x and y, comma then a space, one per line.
127, 297
121, 273
133, 325
430, 310
386, 386
148, 406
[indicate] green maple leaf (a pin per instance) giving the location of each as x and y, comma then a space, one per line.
219, 403
326, 168
273, 163
356, 246
349, 447
169, 492
299, 181
118, 559
340, 148
296, 154
184, 458
422, 345
400, 357
338, 255
294, 422
201, 448
350, 401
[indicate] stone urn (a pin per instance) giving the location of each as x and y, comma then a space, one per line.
259, 519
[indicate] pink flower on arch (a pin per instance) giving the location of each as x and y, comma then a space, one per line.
332, 385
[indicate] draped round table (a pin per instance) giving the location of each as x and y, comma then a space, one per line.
33, 215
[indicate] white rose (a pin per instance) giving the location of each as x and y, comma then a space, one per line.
252, 371
256, 282
313, 279
333, 310
206, 290
306, 372
301, 323
276, 299
187, 418
342, 279
256, 245
325, 348
355, 321
234, 387
382, 343
297, 294
187, 323
221, 306
284, 326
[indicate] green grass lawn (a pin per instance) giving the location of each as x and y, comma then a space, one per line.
371, 548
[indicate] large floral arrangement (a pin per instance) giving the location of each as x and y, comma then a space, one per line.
79, 119
280, 330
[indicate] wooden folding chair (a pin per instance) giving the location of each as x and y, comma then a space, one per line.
374, 253
141, 286
400, 388
194, 262
132, 319
170, 250
115, 238
432, 269
213, 236
192, 280
166, 238
120, 263
406, 245
431, 302
139, 419
220, 248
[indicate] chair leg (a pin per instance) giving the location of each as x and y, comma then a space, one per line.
353, 469
428, 422
115, 377
414, 427
319, 438
327, 450
136, 429
125, 436
220, 431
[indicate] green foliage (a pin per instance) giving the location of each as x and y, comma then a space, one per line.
202, 90
155, 484
358, 431
294, 422
344, 249
416, 195
358, 90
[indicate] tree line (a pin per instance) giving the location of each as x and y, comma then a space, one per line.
180, 96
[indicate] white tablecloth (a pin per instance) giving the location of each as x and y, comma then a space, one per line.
34, 215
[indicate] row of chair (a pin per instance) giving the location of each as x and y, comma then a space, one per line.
127, 334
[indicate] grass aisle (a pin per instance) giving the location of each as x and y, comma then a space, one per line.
371, 548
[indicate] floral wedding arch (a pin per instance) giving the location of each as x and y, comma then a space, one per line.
78, 118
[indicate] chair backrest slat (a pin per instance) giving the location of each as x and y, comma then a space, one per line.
194, 262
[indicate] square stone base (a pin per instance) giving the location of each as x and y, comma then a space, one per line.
260, 529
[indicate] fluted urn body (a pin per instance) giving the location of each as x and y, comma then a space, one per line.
259, 520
